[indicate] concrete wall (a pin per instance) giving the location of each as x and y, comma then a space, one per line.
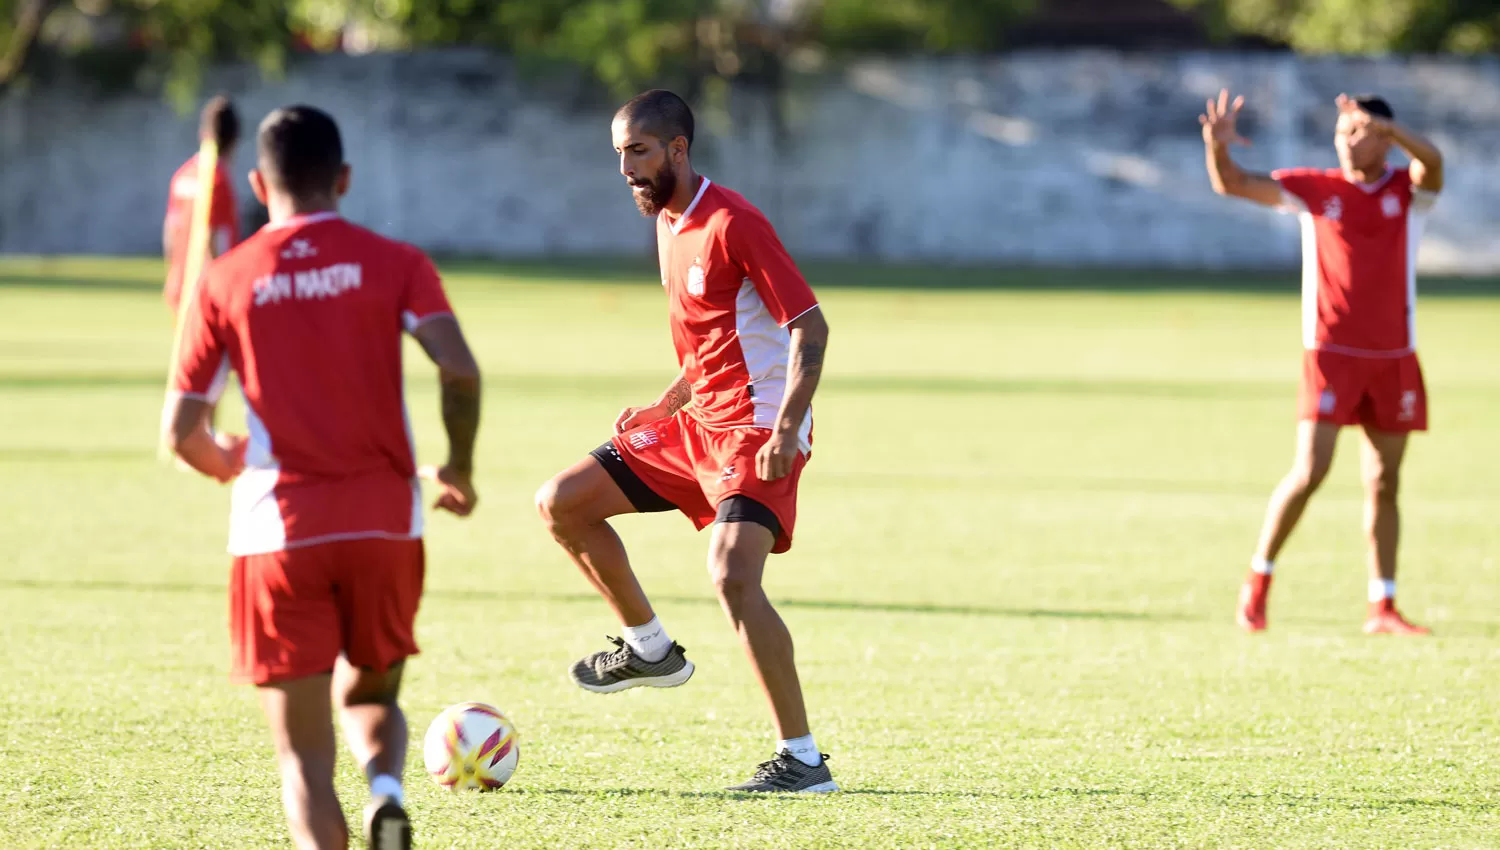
1052, 158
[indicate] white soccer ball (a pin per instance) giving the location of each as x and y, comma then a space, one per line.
471, 746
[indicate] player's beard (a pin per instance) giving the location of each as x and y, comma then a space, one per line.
658, 192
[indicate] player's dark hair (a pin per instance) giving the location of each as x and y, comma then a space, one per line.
219, 121
300, 150
1374, 105
659, 113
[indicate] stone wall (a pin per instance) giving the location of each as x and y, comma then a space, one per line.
1077, 158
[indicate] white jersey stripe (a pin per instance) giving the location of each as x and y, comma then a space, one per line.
1311, 276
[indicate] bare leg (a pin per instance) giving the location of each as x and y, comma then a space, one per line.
575, 505
374, 726
736, 561
301, 719
1380, 461
1315, 444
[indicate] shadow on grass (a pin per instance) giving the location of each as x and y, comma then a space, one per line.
544, 384
630, 270
490, 597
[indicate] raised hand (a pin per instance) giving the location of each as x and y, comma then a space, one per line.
1374, 124
1220, 118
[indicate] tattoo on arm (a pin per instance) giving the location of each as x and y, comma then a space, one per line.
809, 360
461, 420
677, 396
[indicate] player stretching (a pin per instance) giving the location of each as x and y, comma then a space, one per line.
1360, 228
750, 339
221, 124
326, 523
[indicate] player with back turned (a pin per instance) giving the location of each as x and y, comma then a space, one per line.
219, 123
725, 444
326, 519
1361, 224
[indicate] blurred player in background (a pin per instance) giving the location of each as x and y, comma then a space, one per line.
1361, 224
326, 524
725, 444
220, 124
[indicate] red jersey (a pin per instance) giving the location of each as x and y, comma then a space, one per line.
223, 220
731, 290
309, 314
1359, 259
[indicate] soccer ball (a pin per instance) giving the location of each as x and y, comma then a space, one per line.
470, 746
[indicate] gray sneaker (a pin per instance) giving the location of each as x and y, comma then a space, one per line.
786, 773
386, 825
621, 668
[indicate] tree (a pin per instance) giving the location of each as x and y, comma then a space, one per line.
1359, 26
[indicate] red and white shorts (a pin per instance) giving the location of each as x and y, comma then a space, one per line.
293, 612
696, 468
1387, 394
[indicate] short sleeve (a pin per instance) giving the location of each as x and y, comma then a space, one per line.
424, 297
1302, 189
1422, 200
202, 364
755, 248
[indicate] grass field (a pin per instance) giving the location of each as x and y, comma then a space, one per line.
1019, 547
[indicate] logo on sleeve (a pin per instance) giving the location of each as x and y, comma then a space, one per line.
696, 278
1390, 205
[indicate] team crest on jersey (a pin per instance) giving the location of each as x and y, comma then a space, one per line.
1390, 205
298, 249
1333, 208
696, 278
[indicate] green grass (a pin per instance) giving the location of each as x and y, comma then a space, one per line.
1019, 547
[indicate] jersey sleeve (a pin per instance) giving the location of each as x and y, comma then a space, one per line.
1422, 200
424, 297
1302, 189
755, 248
202, 361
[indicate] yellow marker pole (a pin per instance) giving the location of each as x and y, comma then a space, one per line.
197, 256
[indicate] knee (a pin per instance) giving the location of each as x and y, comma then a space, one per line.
553, 504
733, 582
371, 688
1307, 477
1381, 485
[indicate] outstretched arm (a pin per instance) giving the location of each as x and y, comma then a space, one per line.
805, 369
1224, 174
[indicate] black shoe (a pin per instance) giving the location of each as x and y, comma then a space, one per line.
621, 668
787, 773
386, 825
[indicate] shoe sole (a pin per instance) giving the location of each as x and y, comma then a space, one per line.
828, 787
672, 680
390, 829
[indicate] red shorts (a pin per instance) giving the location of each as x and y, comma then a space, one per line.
695, 468
1386, 394
292, 613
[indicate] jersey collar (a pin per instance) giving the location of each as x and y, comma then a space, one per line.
682, 219
303, 220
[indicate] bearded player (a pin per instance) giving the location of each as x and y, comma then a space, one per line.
1361, 224
326, 519
725, 444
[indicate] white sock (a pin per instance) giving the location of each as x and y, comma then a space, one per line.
649, 641
1382, 589
1262, 566
803, 749
386, 785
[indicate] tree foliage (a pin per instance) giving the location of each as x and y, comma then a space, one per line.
627, 42
1359, 26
